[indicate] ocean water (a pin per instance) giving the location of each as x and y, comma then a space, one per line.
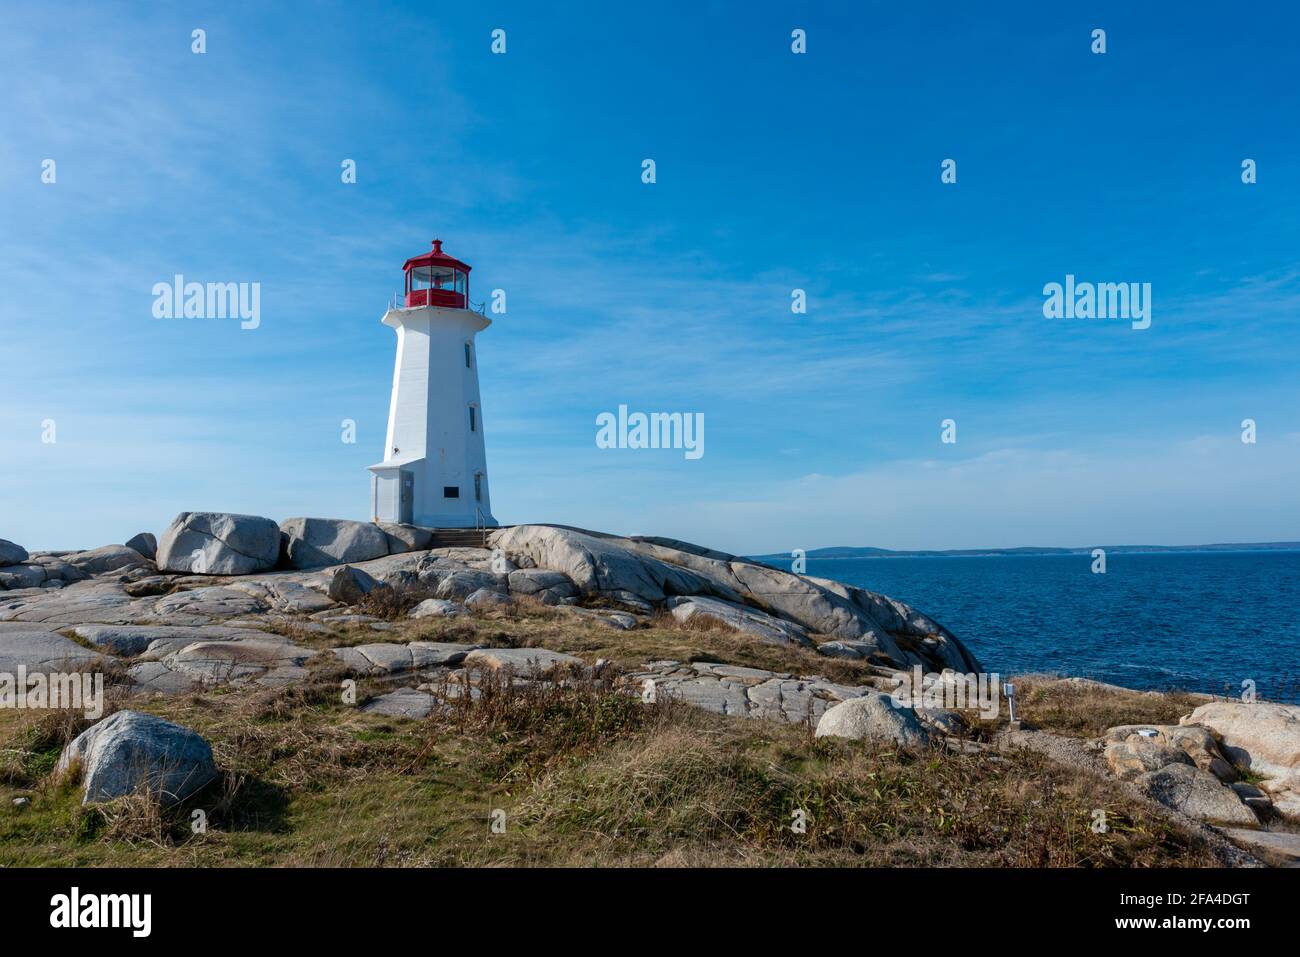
1199, 621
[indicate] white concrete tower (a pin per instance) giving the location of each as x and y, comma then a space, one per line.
434, 471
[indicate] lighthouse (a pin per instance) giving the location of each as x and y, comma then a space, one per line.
434, 471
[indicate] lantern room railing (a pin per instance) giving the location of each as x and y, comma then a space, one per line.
447, 298
403, 300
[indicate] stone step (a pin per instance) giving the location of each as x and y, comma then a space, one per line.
459, 538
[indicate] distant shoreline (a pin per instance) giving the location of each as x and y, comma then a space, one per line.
1030, 551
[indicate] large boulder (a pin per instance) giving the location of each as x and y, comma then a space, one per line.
601, 564
11, 554
319, 542
348, 585
487, 599
131, 753
145, 543
1133, 750
1198, 794
1260, 736
1264, 738
873, 717
1137, 755
109, 558
437, 608
406, 538
23, 576
219, 543
458, 584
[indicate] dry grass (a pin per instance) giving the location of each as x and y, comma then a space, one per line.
729, 793
583, 775
664, 620
385, 602
1085, 710
35, 740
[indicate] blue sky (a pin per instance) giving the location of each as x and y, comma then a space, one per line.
774, 171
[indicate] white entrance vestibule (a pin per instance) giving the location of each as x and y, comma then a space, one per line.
434, 471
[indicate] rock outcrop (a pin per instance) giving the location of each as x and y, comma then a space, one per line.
219, 543
40, 571
742, 691
402, 703
751, 621
523, 661
217, 568
548, 587
226, 590
130, 640
319, 542
391, 658
44, 651
653, 572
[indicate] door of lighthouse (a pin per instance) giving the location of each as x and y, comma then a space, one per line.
407, 506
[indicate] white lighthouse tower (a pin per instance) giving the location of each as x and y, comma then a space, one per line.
434, 471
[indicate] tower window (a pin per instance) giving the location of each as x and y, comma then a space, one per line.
478, 486
451, 491
469, 359
473, 419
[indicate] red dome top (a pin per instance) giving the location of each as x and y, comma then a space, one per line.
436, 257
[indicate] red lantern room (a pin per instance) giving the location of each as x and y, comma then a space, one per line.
435, 279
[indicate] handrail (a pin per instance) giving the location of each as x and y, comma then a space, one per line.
398, 301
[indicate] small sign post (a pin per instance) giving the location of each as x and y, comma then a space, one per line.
1009, 690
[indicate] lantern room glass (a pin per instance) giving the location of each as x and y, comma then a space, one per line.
437, 284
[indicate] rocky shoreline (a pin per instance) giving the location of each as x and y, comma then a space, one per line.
221, 600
